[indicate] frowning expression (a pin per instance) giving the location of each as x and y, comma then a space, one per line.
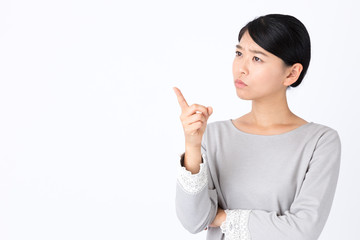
262, 72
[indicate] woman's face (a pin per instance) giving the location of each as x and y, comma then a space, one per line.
262, 72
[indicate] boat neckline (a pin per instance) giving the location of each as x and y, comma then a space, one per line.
274, 135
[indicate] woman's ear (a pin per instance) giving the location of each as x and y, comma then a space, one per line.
293, 74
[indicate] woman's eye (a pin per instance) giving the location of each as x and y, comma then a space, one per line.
237, 53
257, 59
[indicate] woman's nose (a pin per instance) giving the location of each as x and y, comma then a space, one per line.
241, 66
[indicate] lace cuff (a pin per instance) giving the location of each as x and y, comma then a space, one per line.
235, 226
193, 183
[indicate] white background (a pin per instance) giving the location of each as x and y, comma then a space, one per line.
90, 134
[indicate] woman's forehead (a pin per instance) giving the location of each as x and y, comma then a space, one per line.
246, 42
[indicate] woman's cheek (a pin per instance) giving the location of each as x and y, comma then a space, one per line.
260, 77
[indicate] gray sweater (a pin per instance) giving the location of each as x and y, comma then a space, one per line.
273, 187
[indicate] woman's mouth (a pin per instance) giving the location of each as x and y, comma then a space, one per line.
239, 83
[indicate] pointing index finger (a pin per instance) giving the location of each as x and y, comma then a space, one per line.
182, 102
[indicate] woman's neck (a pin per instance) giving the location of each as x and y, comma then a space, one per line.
270, 112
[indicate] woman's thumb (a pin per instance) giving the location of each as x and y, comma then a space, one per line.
210, 110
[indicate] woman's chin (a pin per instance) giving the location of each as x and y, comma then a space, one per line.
243, 96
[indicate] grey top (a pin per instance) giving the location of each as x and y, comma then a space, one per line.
288, 181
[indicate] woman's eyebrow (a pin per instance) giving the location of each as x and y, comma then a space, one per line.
254, 51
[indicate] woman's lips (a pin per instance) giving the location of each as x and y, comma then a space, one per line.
240, 84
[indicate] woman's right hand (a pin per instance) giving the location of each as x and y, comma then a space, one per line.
194, 123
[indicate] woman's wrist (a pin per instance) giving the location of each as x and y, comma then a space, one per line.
235, 224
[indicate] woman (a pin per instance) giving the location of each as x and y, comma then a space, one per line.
269, 174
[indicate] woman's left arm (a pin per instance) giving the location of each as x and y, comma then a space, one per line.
308, 213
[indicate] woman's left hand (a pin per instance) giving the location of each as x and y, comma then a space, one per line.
219, 219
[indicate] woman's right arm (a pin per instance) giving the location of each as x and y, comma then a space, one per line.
196, 199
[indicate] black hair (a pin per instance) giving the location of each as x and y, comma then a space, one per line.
284, 36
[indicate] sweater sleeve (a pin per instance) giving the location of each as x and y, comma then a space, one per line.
310, 209
196, 198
